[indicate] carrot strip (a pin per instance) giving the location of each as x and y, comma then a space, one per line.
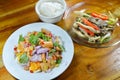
90, 24
86, 30
103, 17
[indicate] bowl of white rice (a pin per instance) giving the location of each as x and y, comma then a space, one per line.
50, 11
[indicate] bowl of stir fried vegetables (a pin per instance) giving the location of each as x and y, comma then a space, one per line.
91, 25
94, 28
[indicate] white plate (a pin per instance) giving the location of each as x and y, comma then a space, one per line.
17, 71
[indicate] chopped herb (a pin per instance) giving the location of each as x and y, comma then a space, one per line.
43, 36
58, 61
24, 58
21, 38
51, 52
56, 44
33, 39
62, 47
40, 34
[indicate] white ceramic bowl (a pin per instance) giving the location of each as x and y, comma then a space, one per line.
51, 19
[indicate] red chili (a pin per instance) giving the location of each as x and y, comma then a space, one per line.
15, 48
42, 43
50, 34
103, 17
90, 24
30, 52
31, 71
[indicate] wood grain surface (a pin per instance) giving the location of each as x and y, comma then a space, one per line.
88, 63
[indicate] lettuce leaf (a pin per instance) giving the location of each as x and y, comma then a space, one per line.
24, 58
33, 39
21, 38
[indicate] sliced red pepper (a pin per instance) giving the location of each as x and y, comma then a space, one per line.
30, 52
50, 34
103, 17
86, 30
90, 24
15, 48
42, 42
31, 71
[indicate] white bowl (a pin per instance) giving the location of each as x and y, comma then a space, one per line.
51, 19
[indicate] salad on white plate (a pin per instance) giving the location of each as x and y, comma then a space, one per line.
38, 51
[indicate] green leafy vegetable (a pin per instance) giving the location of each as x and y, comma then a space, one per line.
51, 52
40, 34
24, 58
62, 47
33, 39
103, 40
43, 36
21, 38
58, 61
56, 44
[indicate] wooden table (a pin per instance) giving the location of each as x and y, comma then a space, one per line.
88, 63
